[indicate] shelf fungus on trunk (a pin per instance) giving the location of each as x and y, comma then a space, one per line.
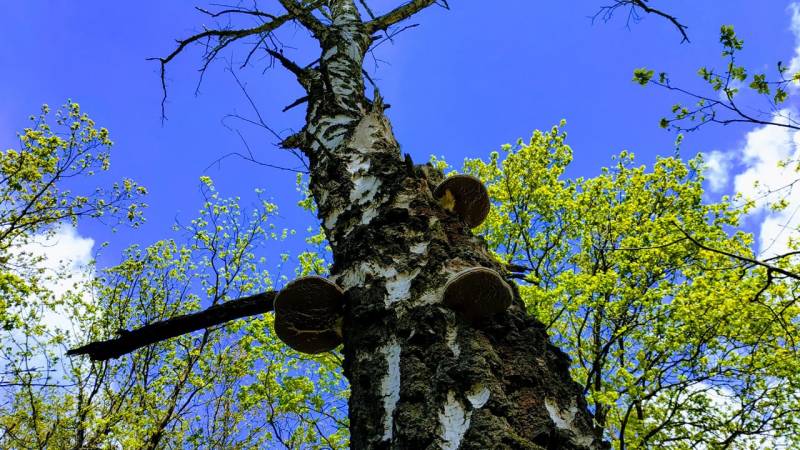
308, 315
477, 293
466, 196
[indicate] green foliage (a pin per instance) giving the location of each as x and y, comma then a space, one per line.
642, 76
37, 199
235, 386
675, 346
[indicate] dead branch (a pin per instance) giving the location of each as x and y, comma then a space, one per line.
129, 341
608, 11
248, 12
304, 16
301, 74
225, 37
398, 14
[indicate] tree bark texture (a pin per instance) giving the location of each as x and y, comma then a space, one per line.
421, 376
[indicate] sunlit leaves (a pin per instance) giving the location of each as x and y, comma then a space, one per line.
235, 386
642, 76
661, 333
37, 195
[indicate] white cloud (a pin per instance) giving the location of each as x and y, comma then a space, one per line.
67, 254
718, 167
762, 178
764, 181
794, 26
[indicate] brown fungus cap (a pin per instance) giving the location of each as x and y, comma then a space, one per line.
308, 314
477, 293
465, 195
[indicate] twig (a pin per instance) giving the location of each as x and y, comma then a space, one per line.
608, 11
746, 259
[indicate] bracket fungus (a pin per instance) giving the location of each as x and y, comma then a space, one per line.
466, 196
477, 293
308, 315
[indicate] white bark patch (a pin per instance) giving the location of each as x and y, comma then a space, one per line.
478, 396
450, 339
390, 387
341, 89
430, 297
403, 201
330, 53
348, 35
368, 214
564, 421
420, 248
331, 140
355, 276
363, 136
353, 51
364, 189
358, 164
398, 286
330, 221
454, 421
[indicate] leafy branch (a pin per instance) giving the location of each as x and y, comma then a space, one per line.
721, 105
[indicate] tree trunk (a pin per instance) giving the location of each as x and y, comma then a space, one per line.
421, 376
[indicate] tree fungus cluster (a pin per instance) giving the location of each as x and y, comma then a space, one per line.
308, 310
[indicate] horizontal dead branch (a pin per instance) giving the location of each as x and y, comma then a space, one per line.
129, 341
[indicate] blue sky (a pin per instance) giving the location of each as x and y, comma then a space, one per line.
461, 84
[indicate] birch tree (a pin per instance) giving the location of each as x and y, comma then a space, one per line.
422, 374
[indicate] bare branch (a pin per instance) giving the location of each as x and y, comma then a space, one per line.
398, 15
304, 16
301, 74
249, 12
224, 38
297, 102
367, 9
250, 100
607, 11
129, 341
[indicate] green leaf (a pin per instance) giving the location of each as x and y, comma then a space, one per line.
642, 76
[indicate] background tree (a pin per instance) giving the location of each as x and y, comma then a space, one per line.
37, 198
229, 387
676, 346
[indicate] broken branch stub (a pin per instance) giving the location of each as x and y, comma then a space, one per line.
308, 315
477, 293
466, 196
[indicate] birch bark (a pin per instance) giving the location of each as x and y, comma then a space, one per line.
421, 377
